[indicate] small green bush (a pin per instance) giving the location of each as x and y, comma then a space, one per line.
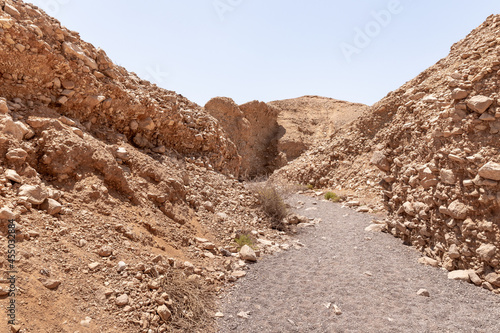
243, 240
332, 196
310, 187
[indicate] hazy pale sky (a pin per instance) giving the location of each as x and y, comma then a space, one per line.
274, 49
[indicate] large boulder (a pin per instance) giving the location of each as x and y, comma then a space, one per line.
380, 161
246, 253
480, 103
486, 251
458, 210
490, 170
35, 194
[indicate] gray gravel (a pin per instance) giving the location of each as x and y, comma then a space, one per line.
373, 281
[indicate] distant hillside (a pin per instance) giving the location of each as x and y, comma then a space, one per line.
309, 120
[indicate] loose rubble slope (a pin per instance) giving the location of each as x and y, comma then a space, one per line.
433, 148
123, 194
309, 120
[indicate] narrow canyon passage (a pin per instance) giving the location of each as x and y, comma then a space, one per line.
371, 278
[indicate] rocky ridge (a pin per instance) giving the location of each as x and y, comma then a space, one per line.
124, 195
432, 148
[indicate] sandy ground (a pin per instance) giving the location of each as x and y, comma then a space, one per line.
371, 277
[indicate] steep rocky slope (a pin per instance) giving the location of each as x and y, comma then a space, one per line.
123, 194
46, 64
433, 148
309, 120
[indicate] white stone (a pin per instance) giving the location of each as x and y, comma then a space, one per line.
94, 265
462, 275
6, 214
121, 266
243, 314
76, 51
11, 10
105, 251
447, 176
428, 261
380, 161
122, 154
430, 99
4, 108
93, 101
408, 208
16, 155
375, 227
51, 206
247, 253
86, 322
164, 312
16, 129
423, 292
459, 93
238, 274
453, 252
458, 210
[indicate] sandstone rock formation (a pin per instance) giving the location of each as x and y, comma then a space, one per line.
310, 120
253, 127
434, 152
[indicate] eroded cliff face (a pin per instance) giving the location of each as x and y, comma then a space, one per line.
254, 129
434, 147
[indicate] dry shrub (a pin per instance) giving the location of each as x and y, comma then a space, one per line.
272, 203
285, 188
192, 303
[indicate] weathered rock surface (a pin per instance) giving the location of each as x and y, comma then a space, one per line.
253, 127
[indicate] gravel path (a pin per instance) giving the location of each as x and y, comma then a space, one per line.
371, 277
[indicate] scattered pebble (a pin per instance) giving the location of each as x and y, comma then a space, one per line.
244, 314
423, 292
